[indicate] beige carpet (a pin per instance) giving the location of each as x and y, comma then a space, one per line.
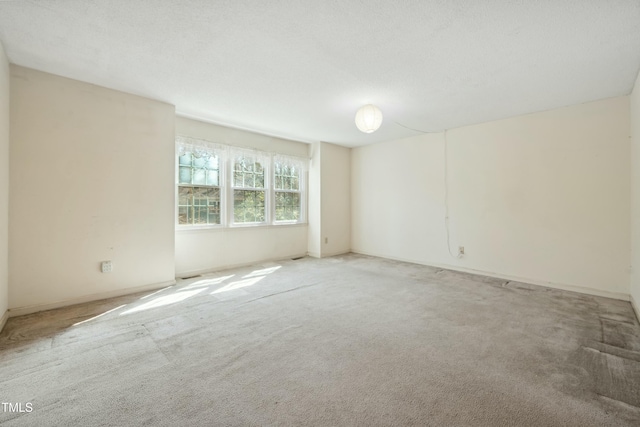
349, 340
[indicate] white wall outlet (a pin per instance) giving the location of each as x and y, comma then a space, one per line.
461, 250
106, 267
326, 240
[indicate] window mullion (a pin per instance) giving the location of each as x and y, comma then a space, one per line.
266, 204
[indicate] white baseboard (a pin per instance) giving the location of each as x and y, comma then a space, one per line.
342, 252
635, 307
3, 320
547, 284
21, 311
317, 255
191, 273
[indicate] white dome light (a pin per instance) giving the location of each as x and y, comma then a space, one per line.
368, 118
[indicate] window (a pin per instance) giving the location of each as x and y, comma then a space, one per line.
199, 186
249, 202
287, 191
219, 185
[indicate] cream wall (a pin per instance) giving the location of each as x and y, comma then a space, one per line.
542, 198
90, 181
635, 197
335, 199
315, 201
330, 200
4, 186
203, 250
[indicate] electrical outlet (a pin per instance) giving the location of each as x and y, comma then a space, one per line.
461, 250
326, 240
106, 267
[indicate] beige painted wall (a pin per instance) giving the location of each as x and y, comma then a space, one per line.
91, 180
330, 200
542, 198
204, 250
4, 185
635, 197
315, 201
335, 199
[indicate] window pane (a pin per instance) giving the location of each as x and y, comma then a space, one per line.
184, 196
286, 177
248, 180
237, 179
214, 208
238, 206
204, 215
199, 176
295, 206
196, 215
212, 163
248, 206
199, 162
199, 197
184, 175
198, 205
212, 194
259, 180
238, 214
212, 177
189, 215
182, 215
287, 206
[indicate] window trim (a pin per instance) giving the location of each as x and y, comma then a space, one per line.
222, 164
220, 187
302, 182
227, 155
232, 189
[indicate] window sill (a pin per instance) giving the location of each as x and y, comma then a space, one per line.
214, 228
198, 227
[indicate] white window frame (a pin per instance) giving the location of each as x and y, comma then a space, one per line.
227, 155
257, 157
302, 184
192, 145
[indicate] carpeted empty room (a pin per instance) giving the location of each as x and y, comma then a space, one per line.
339, 341
319, 213
349, 340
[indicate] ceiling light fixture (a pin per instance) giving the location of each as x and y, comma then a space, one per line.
368, 118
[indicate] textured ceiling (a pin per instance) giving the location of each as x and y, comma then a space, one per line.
301, 69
